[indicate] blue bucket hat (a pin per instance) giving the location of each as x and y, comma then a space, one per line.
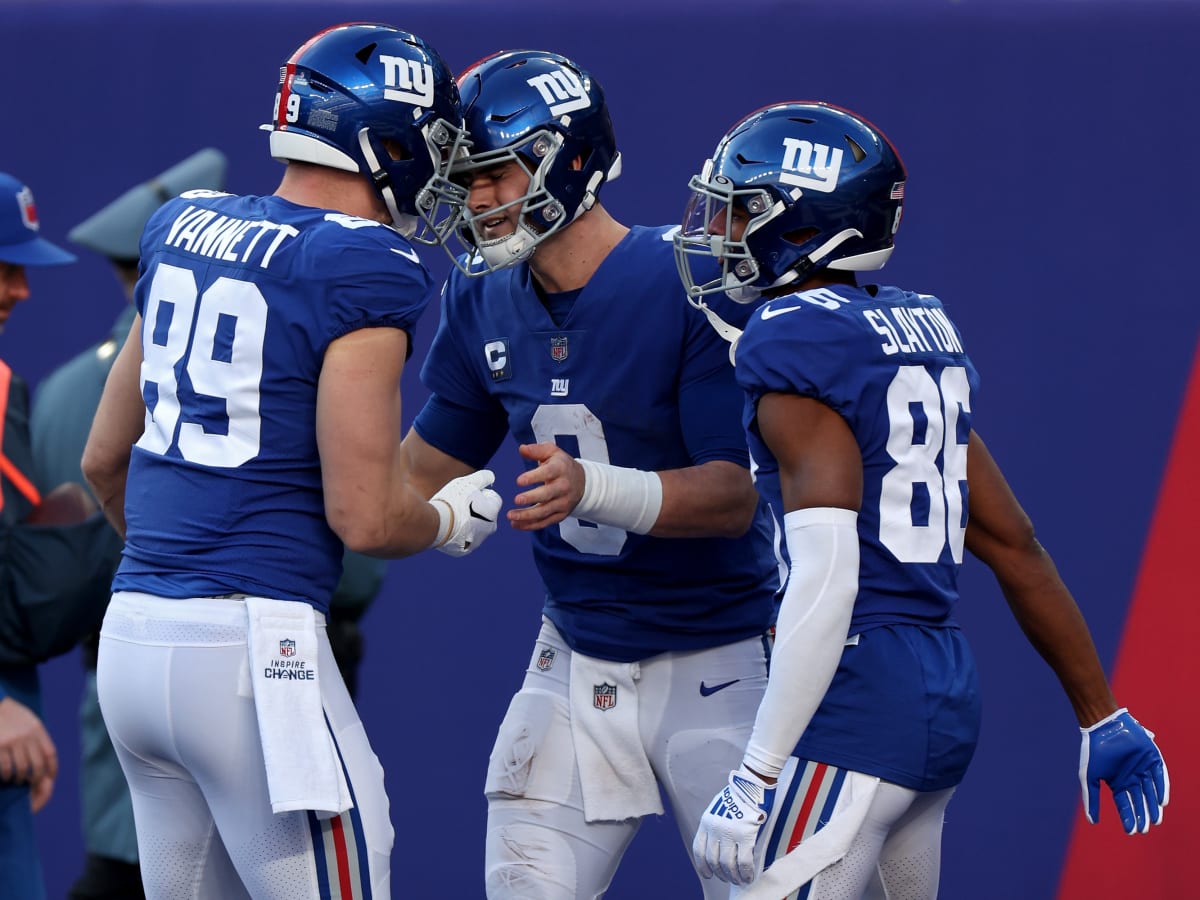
116, 230
20, 243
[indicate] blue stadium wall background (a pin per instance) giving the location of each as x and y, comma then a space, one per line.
1052, 204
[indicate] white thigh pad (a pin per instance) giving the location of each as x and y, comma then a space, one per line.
533, 756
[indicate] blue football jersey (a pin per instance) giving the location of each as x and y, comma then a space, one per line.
608, 386
904, 703
892, 364
240, 297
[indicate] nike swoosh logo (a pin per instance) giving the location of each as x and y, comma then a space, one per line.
768, 313
407, 254
708, 691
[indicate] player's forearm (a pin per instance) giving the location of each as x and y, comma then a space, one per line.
392, 520
107, 483
427, 468
716, 499
1057, 630
810, 636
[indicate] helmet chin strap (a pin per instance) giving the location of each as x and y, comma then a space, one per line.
745, 293
402, 222
728, 332
825, 249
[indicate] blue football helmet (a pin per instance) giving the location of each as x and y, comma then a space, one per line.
373, 99
817, 187
543, 111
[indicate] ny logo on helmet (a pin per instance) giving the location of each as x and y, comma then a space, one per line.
562, 90
409, 80
810, 165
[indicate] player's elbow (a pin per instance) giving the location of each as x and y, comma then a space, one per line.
740, 516
361, 530
375, 530
733, 516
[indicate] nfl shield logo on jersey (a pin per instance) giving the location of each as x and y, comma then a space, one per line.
287, 647
604, 696
546, 659
558, 348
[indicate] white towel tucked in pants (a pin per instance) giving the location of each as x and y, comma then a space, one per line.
614, 773
303, 768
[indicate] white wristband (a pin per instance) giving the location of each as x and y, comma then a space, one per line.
445, 521
625, 498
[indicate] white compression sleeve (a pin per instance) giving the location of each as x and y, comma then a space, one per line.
626, 498
810, 634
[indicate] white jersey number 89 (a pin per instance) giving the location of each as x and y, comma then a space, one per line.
191, 334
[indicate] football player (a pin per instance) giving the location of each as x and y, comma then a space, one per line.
250, 426
859, 416
567, 329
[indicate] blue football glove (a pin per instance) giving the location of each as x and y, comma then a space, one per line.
1118, 750
724, 842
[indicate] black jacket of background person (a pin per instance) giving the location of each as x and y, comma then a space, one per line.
53, 578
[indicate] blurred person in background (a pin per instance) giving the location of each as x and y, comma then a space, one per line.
54, 570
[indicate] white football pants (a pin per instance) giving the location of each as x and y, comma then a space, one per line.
695, 711
174, 684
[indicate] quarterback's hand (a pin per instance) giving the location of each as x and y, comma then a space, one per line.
550, 490
468, 508
724, 842
1118, 750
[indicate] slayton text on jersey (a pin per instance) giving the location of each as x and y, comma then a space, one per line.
913, 330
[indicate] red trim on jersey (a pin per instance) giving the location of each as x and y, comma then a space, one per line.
1155, 676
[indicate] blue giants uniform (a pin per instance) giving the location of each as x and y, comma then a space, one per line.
240, 297
892, 364
632, 377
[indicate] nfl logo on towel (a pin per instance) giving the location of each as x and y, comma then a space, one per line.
546, 659
604, 696
287, 647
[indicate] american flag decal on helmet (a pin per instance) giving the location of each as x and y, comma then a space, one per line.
897, 191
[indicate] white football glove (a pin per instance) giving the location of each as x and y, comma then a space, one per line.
468, 510
724, 842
